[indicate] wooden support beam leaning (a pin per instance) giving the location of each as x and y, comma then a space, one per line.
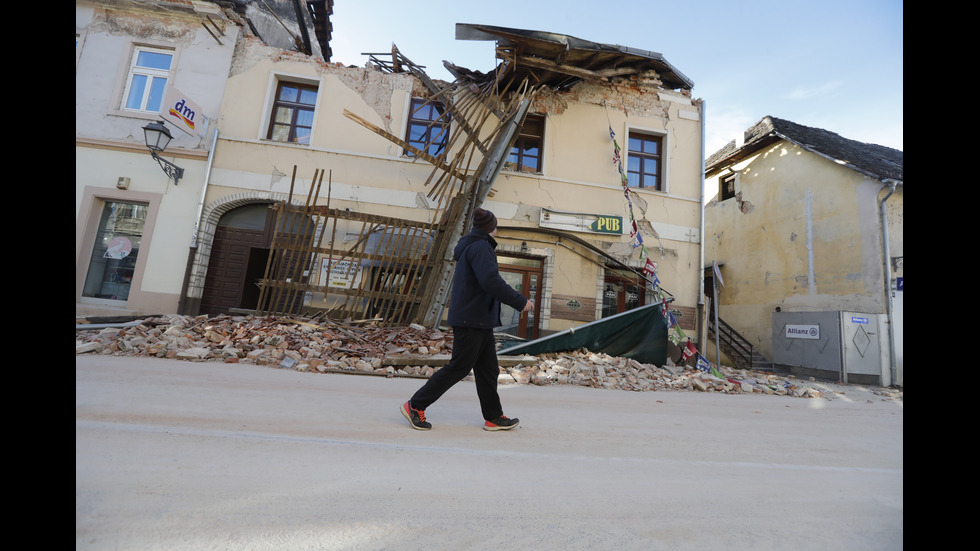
391, 137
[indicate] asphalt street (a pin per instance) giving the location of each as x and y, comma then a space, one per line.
176, 455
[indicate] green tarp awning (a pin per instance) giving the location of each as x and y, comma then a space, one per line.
640, 334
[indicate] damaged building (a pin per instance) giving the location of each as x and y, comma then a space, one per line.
807, 229
309, 186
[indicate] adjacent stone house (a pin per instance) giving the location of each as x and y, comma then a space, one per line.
807, 221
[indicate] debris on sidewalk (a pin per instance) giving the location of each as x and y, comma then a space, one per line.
315, 345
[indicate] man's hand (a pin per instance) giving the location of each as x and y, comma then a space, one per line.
529, 307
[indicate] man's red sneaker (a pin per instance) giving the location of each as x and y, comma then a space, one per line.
415, 416
501, 423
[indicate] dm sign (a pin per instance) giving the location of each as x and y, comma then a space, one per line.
179, 110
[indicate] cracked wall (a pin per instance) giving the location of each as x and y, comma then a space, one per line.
375, 89
801, 234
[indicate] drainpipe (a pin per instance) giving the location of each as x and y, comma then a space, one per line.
886, 254
204, 189
701, 336
182, 303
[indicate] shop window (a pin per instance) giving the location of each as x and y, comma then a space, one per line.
117, 245
623, 291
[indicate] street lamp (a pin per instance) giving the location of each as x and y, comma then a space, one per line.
157, 138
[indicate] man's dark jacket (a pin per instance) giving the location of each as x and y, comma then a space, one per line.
478, 288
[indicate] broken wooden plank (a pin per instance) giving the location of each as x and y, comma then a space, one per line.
391, 137
443, 359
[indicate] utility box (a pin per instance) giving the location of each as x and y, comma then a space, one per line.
837, 345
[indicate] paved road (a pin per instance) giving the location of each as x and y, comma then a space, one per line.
174, 455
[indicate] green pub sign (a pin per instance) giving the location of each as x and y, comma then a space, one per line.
608, 224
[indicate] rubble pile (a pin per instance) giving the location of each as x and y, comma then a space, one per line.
305, 344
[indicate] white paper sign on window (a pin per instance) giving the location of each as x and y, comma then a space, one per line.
119, 248
339, 275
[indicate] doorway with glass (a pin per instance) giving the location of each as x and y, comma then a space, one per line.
525, 275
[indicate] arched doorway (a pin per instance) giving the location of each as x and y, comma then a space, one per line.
239, 254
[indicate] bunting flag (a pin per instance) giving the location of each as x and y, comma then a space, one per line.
716, 373
635, 237
703, 364
650, 269
688, 351
677, 335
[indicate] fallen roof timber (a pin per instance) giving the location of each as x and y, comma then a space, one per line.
443, 359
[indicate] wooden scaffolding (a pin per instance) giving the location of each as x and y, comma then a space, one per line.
396, 271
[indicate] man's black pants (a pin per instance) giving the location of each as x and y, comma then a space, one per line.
472, 349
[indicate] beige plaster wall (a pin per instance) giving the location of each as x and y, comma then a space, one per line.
802, 234
167, 232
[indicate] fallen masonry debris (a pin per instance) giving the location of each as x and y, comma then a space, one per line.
308, 344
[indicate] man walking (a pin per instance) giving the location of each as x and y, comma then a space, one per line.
474, 311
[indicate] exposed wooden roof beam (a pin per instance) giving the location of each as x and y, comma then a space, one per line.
552, 66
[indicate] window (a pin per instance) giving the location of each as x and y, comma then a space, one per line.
428, 127
292, 113
525, 156
117, 244
644, 168
147, 81
727, 184
623, 291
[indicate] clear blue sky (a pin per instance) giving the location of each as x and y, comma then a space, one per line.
833, 64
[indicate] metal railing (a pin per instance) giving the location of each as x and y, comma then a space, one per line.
738, 348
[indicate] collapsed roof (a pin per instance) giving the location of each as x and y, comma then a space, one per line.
558, 61
547, 59
287, 25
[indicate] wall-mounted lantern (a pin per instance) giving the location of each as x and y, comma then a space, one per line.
157, 139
